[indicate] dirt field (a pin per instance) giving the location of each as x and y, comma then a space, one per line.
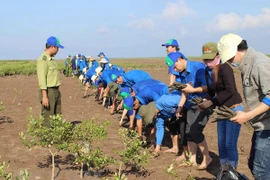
13, 121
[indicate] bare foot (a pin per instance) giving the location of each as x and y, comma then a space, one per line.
184, 164
172, 150
180, 158
205, 164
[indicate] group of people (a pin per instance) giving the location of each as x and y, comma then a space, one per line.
151, 104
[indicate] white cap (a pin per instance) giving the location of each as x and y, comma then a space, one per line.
84, 70
103, 60
227, 46
98, 70
110, 64
93, 78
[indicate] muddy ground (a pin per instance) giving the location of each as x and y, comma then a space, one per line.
75, 108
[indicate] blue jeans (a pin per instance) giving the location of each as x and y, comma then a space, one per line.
259, 160
228, 133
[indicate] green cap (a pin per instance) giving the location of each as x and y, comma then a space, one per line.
147, 112
209, 50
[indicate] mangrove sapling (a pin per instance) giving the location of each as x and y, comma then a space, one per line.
16, 91
55, 138
24, 174
133, 154
85, 138
2, 107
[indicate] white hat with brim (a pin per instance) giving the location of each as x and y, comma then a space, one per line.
98, 70
103, 60
227, 46
93, 78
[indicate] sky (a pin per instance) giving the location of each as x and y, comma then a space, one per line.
128, 28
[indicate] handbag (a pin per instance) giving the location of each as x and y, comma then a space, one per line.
227, 172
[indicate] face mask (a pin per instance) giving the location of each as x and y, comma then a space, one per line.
236, 64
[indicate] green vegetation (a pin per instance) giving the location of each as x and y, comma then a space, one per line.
133, 155
64, 136
25, 67
2, 107
24, 174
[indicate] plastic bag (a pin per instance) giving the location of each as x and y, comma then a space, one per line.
227, 172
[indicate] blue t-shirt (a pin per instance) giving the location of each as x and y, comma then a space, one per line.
168, 104
107, 59
195, 76
151, 93
145, 83
115, 67
94, 65
134, 76
89, 74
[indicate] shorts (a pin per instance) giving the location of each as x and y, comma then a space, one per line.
174, 125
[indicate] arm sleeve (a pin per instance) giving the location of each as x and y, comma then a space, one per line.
264, 81
227, 76
42, 70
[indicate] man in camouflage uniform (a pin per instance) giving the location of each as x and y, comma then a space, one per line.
48, 80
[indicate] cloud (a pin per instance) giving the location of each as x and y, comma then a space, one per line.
144, 23
177, 10
102, 30
234, 22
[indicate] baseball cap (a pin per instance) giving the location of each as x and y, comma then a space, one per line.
147, 112
124, 92
98, 70
110, 64
209, 50
171, 42
53, 41
227, 46
91, 58
79, 55
93, 78
115, 75
101, 53
69, 55
128, 103
172, 58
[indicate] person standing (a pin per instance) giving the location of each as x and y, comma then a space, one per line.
48, 80
254, 67
68, 65
193, 75
222, 91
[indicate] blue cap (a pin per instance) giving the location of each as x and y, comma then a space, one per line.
171, 42
79, 55
172, 58
101, 53
128, 103
125, 92
53, 41
115, 75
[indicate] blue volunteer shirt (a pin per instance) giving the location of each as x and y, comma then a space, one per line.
145, 83
114, 67
94, 65
195, 76
89, 74
134, 76
168, 104
107, 59
151, 93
